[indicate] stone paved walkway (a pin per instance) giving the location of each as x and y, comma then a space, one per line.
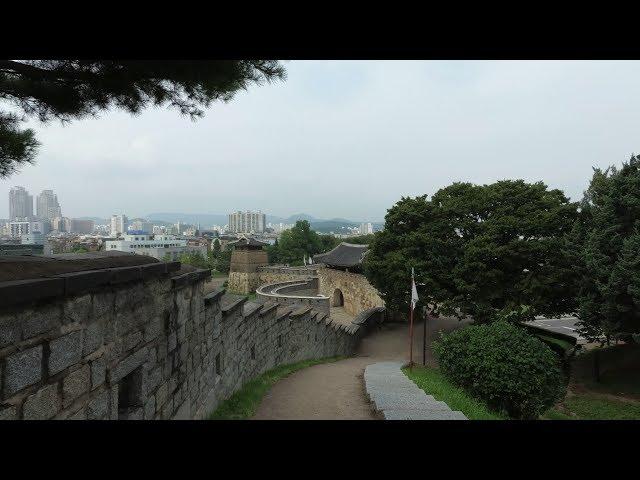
398, 398
336, 391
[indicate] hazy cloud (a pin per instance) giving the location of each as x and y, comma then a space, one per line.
347, 139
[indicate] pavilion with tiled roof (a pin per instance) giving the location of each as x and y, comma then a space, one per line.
344, 256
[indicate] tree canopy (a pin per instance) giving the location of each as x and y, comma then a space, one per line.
73, 89
487, 251
607, 237
297, 242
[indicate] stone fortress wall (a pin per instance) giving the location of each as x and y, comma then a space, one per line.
358, 294
281, 283
144, 342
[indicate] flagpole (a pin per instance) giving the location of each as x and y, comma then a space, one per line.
410, 335
424, 339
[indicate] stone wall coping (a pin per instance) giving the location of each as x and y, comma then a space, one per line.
214, 295
250, 309
16, 292
363, 316
300, 311
190, 277
229, 308
285, 312
267, 307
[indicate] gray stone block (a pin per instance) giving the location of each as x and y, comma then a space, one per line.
98, 408
151, 381
42, 405
9, 330
135, 414
128, 365
161, 396
41, 320
98, 372
75, 384
79, 415
77, 310
22, 369
172, 341
114, 396
150, 408
102, 303
93, 337
8, 412
154, 329
65, 351
131, 341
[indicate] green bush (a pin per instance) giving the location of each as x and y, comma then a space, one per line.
500, 363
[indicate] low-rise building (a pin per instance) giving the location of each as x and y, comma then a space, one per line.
157, 246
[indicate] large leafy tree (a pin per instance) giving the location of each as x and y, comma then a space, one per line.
73, 89
608, 239
491, 251
297, 242
328, 242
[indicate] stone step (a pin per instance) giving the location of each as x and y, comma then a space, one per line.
402, 414
398, 398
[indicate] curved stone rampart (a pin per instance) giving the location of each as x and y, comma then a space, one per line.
358, 294
294, 292
72, 343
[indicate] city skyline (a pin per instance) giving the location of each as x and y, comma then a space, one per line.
369, 132
47, 200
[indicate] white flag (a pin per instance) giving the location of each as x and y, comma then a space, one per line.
414, 291
310, 260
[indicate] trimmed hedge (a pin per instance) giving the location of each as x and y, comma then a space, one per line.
500, 363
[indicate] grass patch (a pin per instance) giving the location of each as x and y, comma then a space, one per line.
243, 404
556, 414
588, 406
434, 383
216, 274
251, 297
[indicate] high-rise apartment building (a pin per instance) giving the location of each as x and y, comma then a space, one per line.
247, 222
141, 225
20, 204
366, 228
118, 225
47, 206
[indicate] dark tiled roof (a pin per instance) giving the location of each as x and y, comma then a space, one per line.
344, 255
248, 242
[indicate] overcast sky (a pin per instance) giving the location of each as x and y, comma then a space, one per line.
347, 139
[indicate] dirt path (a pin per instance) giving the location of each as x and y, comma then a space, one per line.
335, 391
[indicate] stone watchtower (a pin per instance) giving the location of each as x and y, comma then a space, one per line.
248, 254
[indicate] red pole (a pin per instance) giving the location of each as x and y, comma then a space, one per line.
411, 336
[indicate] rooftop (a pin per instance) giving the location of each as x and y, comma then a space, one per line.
248, 242
344, 255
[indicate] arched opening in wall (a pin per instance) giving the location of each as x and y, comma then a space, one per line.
338, 298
